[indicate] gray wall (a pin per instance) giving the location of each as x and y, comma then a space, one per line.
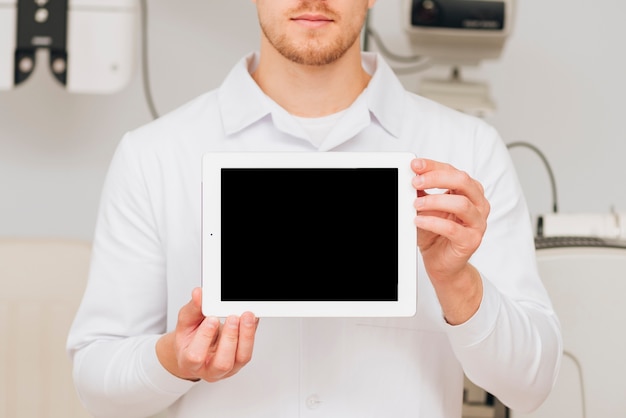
558, 85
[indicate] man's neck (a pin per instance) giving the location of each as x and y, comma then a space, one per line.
311, 91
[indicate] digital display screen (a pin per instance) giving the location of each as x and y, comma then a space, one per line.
309, 234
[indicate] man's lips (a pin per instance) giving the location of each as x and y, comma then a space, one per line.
310, 16
312, 20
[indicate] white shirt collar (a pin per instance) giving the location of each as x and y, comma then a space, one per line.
242, 102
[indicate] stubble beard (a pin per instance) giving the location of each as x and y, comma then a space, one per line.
313, 50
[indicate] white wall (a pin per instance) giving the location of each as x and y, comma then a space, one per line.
559, 85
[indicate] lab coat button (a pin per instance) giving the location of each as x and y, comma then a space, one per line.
313, 402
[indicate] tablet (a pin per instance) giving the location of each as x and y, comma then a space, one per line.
308, 234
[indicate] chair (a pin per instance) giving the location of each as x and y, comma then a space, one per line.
41, 284
587, 287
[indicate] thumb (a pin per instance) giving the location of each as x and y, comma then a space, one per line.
191, 314
196, 297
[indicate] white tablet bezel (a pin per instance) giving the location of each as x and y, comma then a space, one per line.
212, 165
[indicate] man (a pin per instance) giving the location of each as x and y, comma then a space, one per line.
139, 345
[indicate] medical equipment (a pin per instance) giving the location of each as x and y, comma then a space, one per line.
586, 286
458, 33
611, 225
91, 43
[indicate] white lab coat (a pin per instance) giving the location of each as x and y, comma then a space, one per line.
146, 260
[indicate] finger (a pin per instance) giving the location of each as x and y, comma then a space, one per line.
196, 297
195, 356
247, 331
463, 239
464, 211
422, 165
441, 176
190, 315
224, 360
443, 179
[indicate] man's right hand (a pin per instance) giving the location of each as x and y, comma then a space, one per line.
204, 348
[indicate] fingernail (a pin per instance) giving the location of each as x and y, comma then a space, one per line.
212, 321
249, 320
418, 164
232, 322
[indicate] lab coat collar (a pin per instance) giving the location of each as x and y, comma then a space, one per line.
385, 94
382, 101
241, 100
243, 103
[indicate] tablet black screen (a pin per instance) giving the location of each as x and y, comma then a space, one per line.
309, 234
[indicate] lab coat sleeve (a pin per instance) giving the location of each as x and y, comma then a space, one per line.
512, 346
124, 308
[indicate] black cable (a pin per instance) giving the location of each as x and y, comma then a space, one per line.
545, 163
144, 59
